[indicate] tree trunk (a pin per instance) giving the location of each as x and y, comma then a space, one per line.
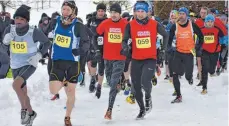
3, 6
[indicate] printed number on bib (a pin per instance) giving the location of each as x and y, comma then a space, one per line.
209, 39
100, 40
18, 47
63, 41
115, 37
143, 43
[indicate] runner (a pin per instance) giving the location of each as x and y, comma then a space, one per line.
65, 55
23, 40
92, 24
83, 56
184, 31
224, 51
170, 53
143, 32
211, 48
112, 30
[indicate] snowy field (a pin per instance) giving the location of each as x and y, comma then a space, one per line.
195, 110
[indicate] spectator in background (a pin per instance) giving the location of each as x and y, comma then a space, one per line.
126, 15
192, 16
5, 21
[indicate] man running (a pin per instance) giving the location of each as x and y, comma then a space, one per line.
23, 40
92, 24
65, 55
143, 32
112, 30
211, 48
186, 49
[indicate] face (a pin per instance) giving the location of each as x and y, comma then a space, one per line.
66, 11
115, 16
46, 22
20, 22
203, 13
182, 17
210, 24
173, 19
141, 14
100, 13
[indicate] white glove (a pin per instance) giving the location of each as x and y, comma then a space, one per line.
8, 38
33, 60
50, 35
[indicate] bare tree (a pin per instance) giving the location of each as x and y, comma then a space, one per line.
5, 4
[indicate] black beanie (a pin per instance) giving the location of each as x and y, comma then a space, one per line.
70, 3
101, 6
116, 7
23, 11
125, 14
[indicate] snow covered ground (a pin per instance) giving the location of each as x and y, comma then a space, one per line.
195, 110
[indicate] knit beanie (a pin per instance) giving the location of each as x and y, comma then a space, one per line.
209, 17
101, 6
116, 7
142, 5
23, 11
184, 10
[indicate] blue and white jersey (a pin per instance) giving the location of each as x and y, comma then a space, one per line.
64, 42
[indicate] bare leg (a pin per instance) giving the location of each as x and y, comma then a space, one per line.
70, 92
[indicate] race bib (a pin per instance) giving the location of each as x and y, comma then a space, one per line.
129, 41
63, 41
18, 47
209, 39
115, 37
143, 43
100, 40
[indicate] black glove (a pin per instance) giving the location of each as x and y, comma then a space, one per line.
98, 56
124, 52
76, 52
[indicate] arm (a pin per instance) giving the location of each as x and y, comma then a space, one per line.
89, 32
164, 34
84, 43
99, 32
171, 36
39, 36
126, 37
199, 44
6, 41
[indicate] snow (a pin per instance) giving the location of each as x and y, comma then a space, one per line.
195, 110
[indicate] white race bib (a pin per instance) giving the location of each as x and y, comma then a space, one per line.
100, 40
129, 41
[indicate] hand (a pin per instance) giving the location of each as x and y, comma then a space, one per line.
76, 52
33, 60
8, 38
51, 34
124, 52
